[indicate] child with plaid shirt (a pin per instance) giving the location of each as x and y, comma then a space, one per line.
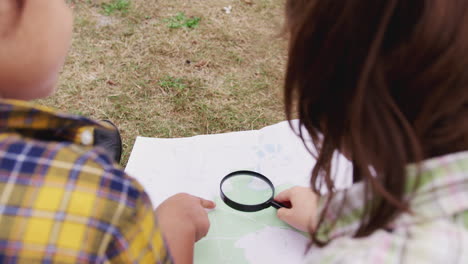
63, 200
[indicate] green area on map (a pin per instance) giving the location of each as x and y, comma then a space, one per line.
229, 225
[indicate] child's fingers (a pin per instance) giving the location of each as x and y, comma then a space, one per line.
284, 214
207, 204
284, 196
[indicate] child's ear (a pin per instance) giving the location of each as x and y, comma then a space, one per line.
10, 11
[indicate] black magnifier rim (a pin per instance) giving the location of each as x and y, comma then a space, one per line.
247, 207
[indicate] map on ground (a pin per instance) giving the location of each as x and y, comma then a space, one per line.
196, 165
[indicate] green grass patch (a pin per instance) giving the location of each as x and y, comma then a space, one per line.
180, 20
169, 83
113, 6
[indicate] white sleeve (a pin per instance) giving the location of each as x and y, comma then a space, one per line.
373, 249
439, 241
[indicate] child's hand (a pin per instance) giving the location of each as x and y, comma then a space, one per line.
183, 221
186, 210
303, 209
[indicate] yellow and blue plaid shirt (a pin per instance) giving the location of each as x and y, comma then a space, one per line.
63, 200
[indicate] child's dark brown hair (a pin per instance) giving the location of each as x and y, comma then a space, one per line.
385, 81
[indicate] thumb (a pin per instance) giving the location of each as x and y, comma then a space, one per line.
283, 214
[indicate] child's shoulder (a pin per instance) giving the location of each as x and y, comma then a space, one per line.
86, 172
41, 148
62, 163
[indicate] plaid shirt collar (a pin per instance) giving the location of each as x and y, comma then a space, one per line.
442, 192
45, 123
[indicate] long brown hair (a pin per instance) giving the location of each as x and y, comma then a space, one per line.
385, 81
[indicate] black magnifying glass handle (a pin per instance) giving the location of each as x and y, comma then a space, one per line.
279, 205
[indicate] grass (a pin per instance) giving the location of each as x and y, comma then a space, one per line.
222, 73
180, 20
116, 5
169, 82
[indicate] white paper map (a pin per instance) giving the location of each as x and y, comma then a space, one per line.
197, 164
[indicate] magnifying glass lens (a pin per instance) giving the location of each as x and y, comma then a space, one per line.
247, 189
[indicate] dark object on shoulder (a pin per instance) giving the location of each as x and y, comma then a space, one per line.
110, 140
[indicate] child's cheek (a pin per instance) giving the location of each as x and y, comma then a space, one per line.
46, 42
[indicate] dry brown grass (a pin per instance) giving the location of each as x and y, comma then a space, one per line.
151, 80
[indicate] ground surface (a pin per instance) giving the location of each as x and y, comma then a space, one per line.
175, 68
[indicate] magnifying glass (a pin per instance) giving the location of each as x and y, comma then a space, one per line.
248, 191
